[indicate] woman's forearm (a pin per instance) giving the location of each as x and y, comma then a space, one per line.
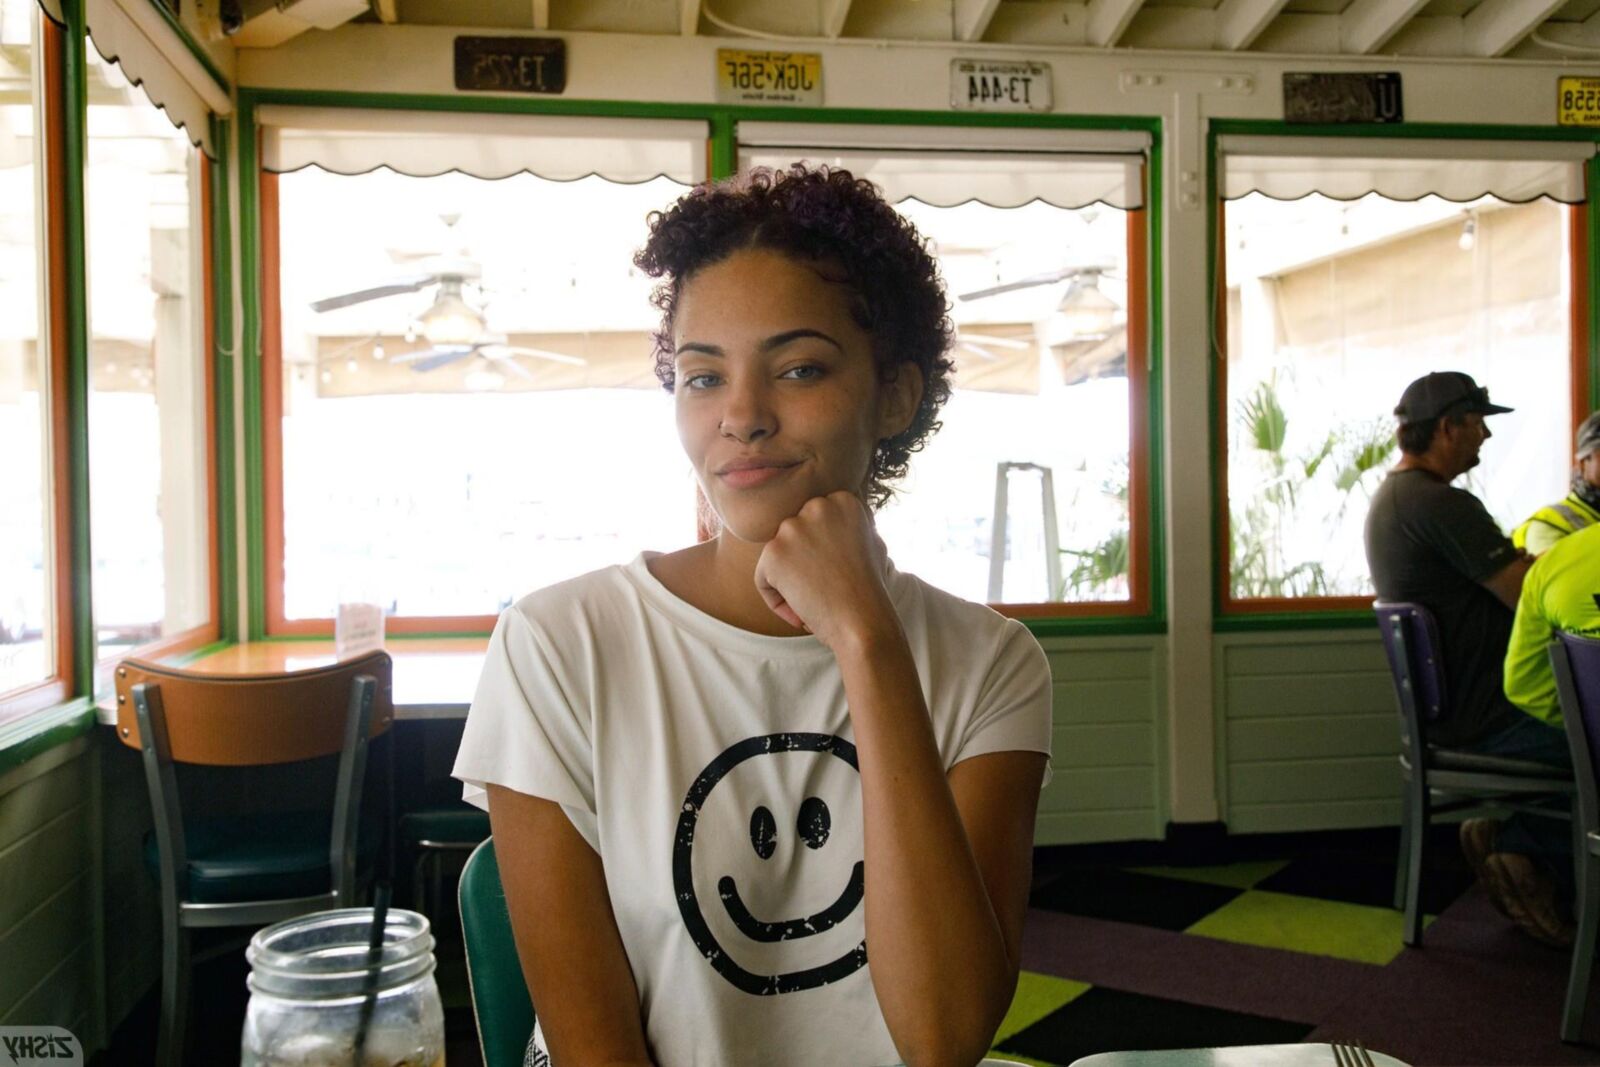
938, 956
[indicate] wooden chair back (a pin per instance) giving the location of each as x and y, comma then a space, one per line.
240, 720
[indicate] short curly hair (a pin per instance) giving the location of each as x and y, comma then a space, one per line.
826, 215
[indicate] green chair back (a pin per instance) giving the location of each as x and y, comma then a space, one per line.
500, 1000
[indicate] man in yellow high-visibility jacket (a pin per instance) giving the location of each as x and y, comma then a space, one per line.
1561, 592
1579, 510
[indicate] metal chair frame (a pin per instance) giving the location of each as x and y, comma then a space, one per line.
180, 915
1586, 828
1430, 785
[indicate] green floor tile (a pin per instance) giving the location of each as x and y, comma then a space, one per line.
1037, 996
1305, 924
1233, 875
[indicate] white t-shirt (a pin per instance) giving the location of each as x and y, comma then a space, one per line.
713, 771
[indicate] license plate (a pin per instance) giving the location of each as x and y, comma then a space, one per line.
769, 77
996, 85
1578, 102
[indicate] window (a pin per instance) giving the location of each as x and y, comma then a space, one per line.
151, 529
1347, 278
1033, 493
468, 371
28, 654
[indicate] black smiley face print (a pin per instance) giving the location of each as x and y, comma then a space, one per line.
813, 827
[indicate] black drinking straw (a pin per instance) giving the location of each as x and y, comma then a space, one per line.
380, 919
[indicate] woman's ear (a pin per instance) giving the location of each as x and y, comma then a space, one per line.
898, 400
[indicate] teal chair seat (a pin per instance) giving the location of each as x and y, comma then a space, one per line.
259, 856
500, 1002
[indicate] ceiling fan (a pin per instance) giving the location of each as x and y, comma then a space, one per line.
1085, 274
454, 328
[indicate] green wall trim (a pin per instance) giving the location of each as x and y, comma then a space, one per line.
37, 733
1592, 177
1295, 620
1244, 622
223, 429
69, 185
1155, 405
200, 54
1216, 352
185, 658
1100, 626
723, 162
249, 363
704, 111
724, 148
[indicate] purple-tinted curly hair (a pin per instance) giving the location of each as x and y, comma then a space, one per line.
821, 215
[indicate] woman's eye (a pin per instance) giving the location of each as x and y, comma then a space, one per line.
700, 381
804, 373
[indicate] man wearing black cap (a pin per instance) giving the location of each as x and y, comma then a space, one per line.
1436, 545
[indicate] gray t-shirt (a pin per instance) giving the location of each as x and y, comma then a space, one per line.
1433, 545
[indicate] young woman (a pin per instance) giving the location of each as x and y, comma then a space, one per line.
766, 799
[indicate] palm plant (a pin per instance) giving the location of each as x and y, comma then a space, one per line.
1257, 541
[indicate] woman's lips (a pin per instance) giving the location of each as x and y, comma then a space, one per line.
749, 477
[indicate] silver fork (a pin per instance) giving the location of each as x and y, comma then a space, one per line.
1351, 1055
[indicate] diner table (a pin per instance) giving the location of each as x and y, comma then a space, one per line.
434, 677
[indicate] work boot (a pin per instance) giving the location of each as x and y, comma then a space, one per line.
1530, 898
1477, 842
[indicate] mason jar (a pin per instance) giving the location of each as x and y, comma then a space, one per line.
314, 985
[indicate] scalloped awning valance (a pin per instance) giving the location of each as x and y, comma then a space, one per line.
1403, 168
946, 165
152, 56
425, 143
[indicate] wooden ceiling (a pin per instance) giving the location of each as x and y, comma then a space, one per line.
1468, 29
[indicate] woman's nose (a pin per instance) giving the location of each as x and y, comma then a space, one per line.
747, 416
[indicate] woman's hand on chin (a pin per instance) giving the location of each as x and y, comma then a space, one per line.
823, 572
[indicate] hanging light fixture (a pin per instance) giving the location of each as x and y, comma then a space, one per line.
1469, 234
1085, 312
451, 321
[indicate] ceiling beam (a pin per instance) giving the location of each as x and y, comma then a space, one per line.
541, 14
688, 17
834, 12
972, 18
1108, 19
1240, 22
1366, 25
1494, 27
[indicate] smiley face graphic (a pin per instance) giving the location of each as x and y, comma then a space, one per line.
813, 826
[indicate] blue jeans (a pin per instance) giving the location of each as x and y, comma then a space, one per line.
1544, 839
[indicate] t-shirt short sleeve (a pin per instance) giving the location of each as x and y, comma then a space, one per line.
1013, 710
1461, 529
522, 731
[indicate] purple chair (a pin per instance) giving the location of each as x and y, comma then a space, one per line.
1438, 780
1576, 663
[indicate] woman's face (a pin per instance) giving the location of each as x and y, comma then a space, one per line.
777, 396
